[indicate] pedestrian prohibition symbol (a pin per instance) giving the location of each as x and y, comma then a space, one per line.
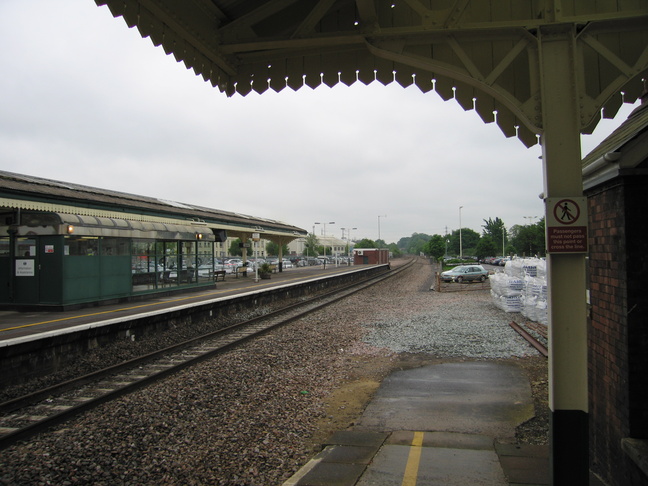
567, 225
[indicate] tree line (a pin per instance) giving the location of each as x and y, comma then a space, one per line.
495, 240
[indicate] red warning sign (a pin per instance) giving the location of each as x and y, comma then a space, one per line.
567, 225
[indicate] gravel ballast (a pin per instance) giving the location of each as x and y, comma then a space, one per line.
256, 414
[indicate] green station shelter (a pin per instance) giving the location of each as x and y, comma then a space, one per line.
64, 244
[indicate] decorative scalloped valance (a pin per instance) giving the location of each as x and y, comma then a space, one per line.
481, 53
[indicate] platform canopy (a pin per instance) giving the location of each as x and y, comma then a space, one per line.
482, 53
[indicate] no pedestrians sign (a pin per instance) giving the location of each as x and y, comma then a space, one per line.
567, 225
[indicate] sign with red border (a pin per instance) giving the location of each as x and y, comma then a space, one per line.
567, 224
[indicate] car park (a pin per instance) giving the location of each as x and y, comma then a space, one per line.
465, 273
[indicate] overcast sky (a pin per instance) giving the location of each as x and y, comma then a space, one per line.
84, 99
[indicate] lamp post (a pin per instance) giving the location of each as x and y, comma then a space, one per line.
530, 218
324, 234
379, 243
460, 242
348, 230
314, 239
324, 227
349, 251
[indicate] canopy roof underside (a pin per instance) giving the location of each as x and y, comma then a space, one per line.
483, 53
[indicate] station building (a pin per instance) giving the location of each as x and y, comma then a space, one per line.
370, 256
336, 247
65, 245
615, 179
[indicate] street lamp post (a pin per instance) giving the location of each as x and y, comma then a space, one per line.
349, 245
348, 238
324, 227
379, 243
460, 242
324, 234
314, 238
530, 218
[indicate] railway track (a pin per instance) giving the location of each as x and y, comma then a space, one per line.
31, 414
535, 334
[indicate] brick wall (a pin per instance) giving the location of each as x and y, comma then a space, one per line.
618, 338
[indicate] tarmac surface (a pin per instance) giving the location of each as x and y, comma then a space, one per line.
450, 424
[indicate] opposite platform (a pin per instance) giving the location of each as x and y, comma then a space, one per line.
22, 324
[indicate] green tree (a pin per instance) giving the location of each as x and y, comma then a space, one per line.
394, 250
365, 243
469, 240
436, 247
485, 247
272, 248
404, 242
417, 243
311, 244
496, 230
328, 251
235, 248
529, 239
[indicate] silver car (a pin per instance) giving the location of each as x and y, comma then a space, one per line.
465, 273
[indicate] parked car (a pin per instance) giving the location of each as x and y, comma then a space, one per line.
465, 273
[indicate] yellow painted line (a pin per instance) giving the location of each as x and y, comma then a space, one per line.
413, 460
108, 311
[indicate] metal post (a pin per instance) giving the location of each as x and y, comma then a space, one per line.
460, 242
378, 242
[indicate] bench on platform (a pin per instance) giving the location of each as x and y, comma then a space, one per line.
241, 271
219, 274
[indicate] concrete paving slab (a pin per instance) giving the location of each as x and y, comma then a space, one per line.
482, 397
350, 454
332, 474
524, 464
438, 467
439, 425
361, 438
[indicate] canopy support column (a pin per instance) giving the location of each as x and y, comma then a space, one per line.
568, 397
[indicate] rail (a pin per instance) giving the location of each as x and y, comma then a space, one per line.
31, 414
531, 339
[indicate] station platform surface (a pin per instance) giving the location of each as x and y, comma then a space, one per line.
438, 425
23, 324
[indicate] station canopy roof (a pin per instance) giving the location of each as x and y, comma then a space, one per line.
481, 53
25, 192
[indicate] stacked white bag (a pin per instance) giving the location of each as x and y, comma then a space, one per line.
506, 291
522, 287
